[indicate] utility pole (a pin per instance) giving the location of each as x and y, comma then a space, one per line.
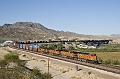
48, 64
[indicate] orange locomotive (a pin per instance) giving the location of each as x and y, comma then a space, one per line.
88, 57
54, 52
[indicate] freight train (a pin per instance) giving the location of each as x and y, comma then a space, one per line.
80, 56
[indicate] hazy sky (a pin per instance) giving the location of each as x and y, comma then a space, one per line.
92, 17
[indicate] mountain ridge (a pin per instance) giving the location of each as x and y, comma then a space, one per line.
30, 30
22, 31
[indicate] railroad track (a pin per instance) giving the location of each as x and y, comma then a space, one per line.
108, 68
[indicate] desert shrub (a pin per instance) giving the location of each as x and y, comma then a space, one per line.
19, 71
46, 76
100, 60
64, 71
11, 57
71, 48
42, 61
89, 73
24, 55
3, 63
115, 62
108, 61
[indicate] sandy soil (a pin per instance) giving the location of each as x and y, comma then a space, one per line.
3, 51
61, 69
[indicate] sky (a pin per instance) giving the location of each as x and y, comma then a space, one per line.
91, 17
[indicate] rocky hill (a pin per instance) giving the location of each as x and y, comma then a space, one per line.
21, 31
29, 31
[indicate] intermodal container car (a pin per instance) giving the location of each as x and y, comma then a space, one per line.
25, 46
21, 46
35, 47
30, 47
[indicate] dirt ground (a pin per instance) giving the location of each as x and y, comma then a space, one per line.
61, 69
3, 51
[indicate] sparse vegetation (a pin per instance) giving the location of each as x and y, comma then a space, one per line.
64, 71
70, 48
89, 72
14, 68
103, 56
116, 62
108, 61
36, 74
103, 48
24, 55
42, 61
113, 62
100, 60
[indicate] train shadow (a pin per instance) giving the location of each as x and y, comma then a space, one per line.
25, 60
79, 69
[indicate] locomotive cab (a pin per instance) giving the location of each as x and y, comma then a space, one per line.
93, 58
